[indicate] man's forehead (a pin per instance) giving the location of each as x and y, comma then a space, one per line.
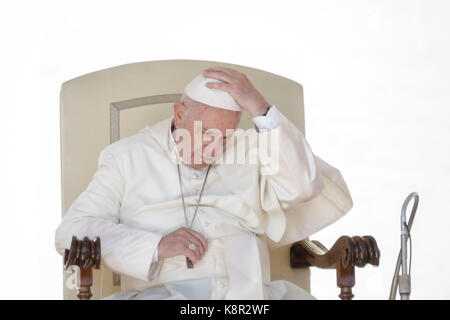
211, 114
208, 110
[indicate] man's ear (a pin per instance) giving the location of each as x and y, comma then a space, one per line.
178, 114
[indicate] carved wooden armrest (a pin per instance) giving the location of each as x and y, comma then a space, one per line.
346, 253
85, 254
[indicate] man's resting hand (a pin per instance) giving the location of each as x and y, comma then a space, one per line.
177, 242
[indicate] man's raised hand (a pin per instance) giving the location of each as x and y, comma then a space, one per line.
239, 87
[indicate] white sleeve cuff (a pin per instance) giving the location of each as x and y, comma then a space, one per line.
155, 256
270, 121
155, 265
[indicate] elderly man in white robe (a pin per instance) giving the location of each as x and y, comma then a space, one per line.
177, 223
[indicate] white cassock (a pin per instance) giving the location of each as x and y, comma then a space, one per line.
134, 199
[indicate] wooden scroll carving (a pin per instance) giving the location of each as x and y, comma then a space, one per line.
345, 254
86, 255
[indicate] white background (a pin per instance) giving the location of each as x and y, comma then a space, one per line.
376, 76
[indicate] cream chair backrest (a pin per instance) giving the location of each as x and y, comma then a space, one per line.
101, 107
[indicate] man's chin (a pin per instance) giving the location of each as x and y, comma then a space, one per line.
199, 166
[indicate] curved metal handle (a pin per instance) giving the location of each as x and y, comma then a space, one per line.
402, 253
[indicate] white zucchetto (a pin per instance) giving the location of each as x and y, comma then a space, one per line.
198, 91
